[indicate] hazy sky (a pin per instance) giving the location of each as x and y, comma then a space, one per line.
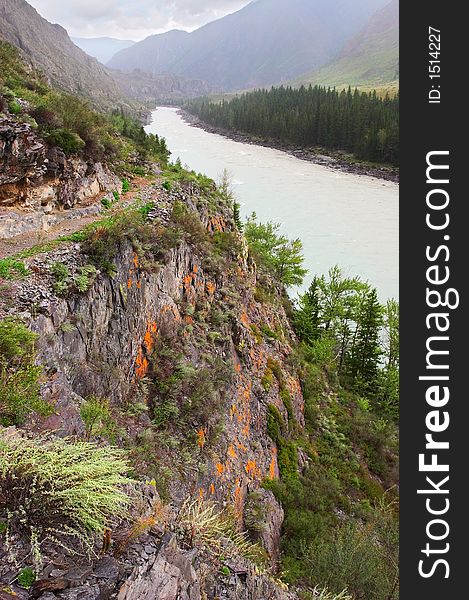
132, 19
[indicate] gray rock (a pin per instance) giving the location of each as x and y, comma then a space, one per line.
107, 568
168, 576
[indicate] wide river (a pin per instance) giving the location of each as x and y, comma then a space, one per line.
344, 219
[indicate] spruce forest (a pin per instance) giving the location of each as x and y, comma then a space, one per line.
359, 123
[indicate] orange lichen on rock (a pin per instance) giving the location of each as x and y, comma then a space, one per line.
212, 489
244, 319
129, 283
273, 465
201, 437
220, 468
216, 224
232, 452
211, 287
135, 260
252, 469
150, 335
141, 364
201, 493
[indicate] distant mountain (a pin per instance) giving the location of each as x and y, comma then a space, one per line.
266, 42
49, 48
102, 48
147, 87
369, 59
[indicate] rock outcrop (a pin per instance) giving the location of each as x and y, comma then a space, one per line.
38, 181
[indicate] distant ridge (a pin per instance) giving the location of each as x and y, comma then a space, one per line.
102, 48
266, 42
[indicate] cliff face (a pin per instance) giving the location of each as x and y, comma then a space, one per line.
190, 316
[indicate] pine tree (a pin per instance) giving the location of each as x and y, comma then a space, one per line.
366, 352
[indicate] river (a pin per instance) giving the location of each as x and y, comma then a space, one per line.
344, 219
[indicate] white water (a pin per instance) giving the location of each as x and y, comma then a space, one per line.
344, 219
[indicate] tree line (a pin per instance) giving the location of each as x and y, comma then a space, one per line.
343, 323
352, 121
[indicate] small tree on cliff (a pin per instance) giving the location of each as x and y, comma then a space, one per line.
275, 253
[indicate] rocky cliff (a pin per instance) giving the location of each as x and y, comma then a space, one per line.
169, 330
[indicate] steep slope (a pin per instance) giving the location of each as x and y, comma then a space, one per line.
49, 48
370, 59
102, 48
266, 42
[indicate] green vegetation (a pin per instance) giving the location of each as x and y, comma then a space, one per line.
61, 490
19, 375
356, 122
26, 577
69, 122
203, 524
275, 253
12, 268
341, 321
181, 395
97, 417
341, 520
81, 281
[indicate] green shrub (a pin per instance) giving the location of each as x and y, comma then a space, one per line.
275, 424
60, 271
202, 524
265, 329
167, 185
353, 558
85, 278
287, 402
62, 281
116, 195
190, 224
288, 460
267, 379
11, 268
61, 490
106, 202
26, 577
125, 186
14, 107
69, 141
97, 417
19, 375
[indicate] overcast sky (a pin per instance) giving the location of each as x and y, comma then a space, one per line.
132, 19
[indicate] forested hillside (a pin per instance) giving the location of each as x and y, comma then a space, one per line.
359, 123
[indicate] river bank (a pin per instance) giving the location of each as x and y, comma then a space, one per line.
333, 160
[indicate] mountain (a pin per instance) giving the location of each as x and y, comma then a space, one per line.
265, 42
369, 59
102, 48
147, 87
48, 47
